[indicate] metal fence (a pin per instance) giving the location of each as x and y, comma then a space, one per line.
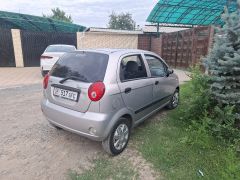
34, 44
179, 49
185, 48
7, 58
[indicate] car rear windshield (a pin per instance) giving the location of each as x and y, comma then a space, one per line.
85, 66
60, 49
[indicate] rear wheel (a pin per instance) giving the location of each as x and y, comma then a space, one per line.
174, 101
118, 139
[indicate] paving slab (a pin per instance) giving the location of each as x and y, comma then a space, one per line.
14, 77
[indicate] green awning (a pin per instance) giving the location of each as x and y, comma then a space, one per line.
190, 12
11, 20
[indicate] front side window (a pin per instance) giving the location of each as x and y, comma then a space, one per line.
156, 66
132, 67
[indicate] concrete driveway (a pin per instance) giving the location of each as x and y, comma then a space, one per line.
14, 77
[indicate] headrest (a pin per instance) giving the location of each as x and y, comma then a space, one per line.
131, 66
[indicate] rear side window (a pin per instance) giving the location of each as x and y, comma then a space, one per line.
88, 66
132, 67
60, 49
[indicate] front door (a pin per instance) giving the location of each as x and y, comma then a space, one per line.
162, 89
135, 85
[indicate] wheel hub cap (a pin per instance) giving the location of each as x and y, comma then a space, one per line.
120, 137
175, 99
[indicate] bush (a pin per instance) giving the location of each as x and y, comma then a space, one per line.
223, 123
203, 114
198, 95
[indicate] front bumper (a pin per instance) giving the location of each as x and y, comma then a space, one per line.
77, 122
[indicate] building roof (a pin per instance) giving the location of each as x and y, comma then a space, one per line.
162, 29
112, 50
97, 29
190, 12
11, 20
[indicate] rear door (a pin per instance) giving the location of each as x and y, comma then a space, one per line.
162, 89
71, 77
134, 83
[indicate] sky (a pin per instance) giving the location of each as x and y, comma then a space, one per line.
90, 13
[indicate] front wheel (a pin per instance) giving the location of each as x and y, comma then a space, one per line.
174, 101
118, 139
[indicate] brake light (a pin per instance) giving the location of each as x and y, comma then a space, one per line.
46, 57
45, 81
96, 91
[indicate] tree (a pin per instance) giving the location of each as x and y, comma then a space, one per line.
121, 21
60, 15
223, 62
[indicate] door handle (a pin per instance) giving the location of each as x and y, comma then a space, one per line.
128, 90
156, 82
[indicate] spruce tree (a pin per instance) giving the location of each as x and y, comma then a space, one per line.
223, 62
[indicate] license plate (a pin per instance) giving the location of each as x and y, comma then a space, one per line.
66, 94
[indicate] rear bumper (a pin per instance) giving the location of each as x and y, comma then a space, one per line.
77, 122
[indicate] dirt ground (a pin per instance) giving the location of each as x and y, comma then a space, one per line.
29, 147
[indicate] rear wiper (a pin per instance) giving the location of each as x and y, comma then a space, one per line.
81, 78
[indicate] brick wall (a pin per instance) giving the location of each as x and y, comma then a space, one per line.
144, 42
107, 40
157, 45
16, 37
150, 43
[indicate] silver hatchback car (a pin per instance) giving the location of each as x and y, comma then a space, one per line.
103, 93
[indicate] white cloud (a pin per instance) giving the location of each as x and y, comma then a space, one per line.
84, 12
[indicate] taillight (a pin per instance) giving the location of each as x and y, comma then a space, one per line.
46, 57
96, 91
45, 81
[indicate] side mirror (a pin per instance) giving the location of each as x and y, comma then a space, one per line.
170, 71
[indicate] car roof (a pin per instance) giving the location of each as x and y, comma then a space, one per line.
112, 50
62, 45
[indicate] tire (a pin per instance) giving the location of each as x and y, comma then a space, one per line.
174, 100
108, 143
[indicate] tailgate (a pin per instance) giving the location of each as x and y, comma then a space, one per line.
71, 94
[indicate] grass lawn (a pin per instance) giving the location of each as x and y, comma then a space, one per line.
180, 153
107, 169
175, 151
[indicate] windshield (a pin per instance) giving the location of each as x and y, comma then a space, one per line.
60, 49
88, 66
